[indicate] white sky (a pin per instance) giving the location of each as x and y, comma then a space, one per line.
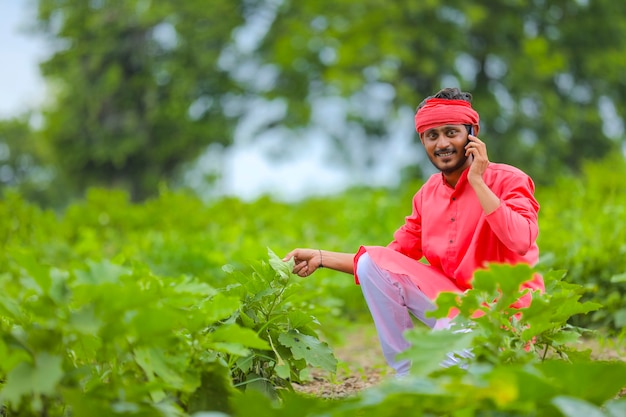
21, 86
247, 171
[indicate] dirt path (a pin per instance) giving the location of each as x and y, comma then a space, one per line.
361, 364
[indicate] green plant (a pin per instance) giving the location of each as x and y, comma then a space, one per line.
509, 375
275, 306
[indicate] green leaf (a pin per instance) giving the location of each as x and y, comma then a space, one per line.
41, 377
616, 408
195, 287
620, 318
565, 337
10, 307
215, 390
429, 348
220, 307
618, 278
282, 268
595, 382
39, 272
283, 370
258, 383
101, 272
235, 349
314, 352
85, 321
246, 320
575, 407
236, 334
154, 362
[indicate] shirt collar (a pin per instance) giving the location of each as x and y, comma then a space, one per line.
460, 183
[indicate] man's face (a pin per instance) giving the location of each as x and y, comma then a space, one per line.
445, 147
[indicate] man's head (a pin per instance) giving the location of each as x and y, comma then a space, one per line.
448, 106
443, 122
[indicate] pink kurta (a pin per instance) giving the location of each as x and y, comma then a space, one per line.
450, 230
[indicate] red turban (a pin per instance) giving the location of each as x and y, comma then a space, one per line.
439, 112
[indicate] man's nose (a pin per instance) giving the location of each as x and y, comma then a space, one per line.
442, 141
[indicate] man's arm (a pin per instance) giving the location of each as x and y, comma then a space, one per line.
488, 200
308, 261
408, 238
513, 217
478, 150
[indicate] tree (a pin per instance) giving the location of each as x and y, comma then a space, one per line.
140, 91
22, 160
144, 86
546, 75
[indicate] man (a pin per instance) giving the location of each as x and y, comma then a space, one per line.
472, 213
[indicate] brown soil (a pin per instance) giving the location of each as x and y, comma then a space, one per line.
361, 364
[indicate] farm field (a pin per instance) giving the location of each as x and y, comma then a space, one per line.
178, 307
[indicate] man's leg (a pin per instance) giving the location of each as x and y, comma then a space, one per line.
390, 297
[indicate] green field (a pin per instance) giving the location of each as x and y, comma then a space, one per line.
178, 307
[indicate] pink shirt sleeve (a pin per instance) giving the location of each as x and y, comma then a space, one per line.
408, 238
514, 222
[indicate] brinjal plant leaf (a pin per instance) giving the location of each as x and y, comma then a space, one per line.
313, 351
282, 268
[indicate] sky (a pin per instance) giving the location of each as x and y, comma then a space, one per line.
21, 86
247, 171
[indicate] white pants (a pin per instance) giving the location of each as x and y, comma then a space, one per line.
390, 297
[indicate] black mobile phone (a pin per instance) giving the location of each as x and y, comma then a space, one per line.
470, 131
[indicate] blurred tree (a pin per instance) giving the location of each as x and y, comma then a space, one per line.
139, 88
15, 151
547, 76
144, 86
22, 159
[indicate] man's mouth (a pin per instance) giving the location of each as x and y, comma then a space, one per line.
444, 154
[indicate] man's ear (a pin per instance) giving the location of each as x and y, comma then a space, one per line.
476, 130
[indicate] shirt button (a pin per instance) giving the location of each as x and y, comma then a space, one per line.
453, 198
451, 241
452, 219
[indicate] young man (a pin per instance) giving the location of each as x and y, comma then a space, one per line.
474, 212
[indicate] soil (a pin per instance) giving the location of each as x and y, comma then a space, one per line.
361, 365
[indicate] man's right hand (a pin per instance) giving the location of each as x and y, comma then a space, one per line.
306, 261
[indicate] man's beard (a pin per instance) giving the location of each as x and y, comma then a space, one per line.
449, 170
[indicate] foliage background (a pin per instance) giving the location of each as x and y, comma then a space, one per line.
141, 90
99, 223
127, 285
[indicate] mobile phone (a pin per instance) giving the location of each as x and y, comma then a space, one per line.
470, 131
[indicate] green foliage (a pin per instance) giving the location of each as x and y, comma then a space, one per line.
538, 80
279, 312
176, 307
139, 91
111, 338
509, 374
15, 152
580, 233
22, 161
498, 332
107, 337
